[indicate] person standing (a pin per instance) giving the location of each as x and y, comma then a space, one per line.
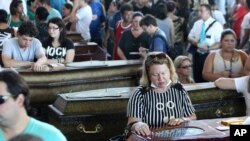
98, 21
133, 39
52, 11
159, 41
122, 25
81, 17
203, 37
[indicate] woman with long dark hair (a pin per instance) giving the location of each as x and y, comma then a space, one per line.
59, 49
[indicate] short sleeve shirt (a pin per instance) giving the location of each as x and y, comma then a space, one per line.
84, 16
57, 52
43, 130
12, 49
241, 84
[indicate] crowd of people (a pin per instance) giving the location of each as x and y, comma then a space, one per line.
179, 41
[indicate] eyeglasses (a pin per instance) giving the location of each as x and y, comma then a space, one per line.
186, 67
52, 28
4, 98
159, 56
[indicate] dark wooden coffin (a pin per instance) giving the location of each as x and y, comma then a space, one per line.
79, 76
89, 51
74, 36
101, 114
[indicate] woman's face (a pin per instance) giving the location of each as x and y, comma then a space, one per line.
159, 75
136, 22
185, 68
53, 30
228, 43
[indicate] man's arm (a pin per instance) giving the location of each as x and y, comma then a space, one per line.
72, 16
9, 62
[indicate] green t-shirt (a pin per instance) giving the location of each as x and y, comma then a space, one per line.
41, 129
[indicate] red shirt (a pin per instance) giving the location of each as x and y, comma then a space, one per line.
238, 16
118, 32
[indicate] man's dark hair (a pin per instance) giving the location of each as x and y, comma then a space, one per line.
58, 21
148, 20
29, 2
44, 2
126, 7
27, 28
171, 6
207, 6
16, 85
211, 2
161, 12
3, 16
42, 13
13, 6
68, 6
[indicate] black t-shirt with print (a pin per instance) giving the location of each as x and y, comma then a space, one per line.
57, 52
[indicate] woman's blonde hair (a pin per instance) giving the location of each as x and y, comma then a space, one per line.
179, 60
153, 59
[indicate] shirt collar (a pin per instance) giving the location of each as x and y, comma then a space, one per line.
209, 20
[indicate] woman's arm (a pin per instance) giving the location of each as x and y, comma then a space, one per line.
121, 54
139, 127
69, 56
225, 83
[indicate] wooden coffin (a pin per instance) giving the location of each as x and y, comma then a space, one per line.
74, 36
79, 76
103, 111
89, 51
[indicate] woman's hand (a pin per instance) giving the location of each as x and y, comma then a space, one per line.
225, 74
175, 121
141, 128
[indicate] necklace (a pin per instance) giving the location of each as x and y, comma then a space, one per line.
230, 65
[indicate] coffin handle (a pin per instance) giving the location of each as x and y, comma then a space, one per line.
98, 129
220, 112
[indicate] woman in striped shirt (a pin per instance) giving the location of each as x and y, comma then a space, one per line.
160, 99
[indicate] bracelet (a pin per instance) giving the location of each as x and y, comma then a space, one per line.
127, 130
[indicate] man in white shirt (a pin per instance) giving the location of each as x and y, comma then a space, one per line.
241, 84
203, 37
81, 18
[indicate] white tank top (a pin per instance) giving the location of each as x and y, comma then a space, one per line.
220, 64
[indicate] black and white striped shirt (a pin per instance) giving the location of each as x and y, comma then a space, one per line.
152, 107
